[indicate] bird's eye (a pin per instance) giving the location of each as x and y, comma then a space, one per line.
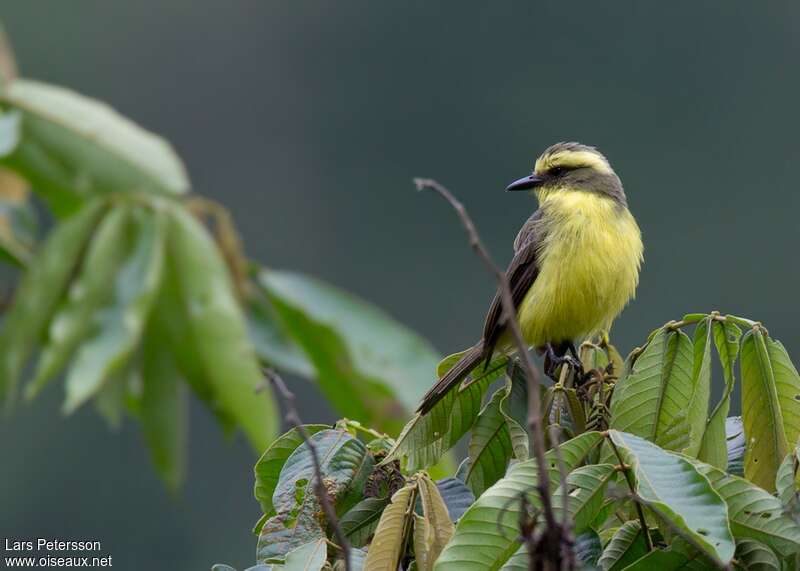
555, 171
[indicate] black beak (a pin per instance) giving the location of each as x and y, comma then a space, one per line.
526, 183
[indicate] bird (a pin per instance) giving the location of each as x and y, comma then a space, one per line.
575, 267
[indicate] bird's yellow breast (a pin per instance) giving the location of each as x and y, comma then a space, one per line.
589, 268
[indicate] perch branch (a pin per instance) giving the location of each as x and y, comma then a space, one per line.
293, 419
554, 531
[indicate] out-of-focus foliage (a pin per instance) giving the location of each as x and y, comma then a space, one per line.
134, 298
684, 474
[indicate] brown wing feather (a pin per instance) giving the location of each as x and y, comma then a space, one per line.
522, 272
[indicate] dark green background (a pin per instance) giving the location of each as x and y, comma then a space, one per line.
308, 120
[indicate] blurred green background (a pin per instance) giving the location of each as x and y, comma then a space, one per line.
308, 120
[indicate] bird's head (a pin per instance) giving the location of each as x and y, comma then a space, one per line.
572, 167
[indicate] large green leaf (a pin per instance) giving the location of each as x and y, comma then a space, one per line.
653, 400
586, 491
753, 513
308, 557
164, 411
489, 446
387, 545
487, 534
754, 556
216, 329
269, 466
353, 344
118, 324
770, 406
674, 489
41, 288
272, 343
345, 465
70, 146
91, 290
713, 449
626, 546
787, 481
427, 437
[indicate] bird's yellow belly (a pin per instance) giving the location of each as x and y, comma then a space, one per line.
589, 269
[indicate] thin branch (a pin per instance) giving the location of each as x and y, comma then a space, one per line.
293, 419
510, 320
627, 472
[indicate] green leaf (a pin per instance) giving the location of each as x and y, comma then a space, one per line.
489, 446
360, 521
353, 344
427, 437
308, 557
754, 556
678, 556
713, 450
269, 466
387, 545
753, 513
770, 406
626, 546
345, 465
787, 481
118, 324
456, 495
585, 490
70, 146
164, 412
487, 534
271, 342
674, 489
216, 329
433, 529
514, 407
701, 386
37, 296
88, 292
653, 400
736, 444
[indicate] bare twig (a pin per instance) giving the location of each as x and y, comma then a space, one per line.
293, 418
553, 534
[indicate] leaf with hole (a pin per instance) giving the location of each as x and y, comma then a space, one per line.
674, 489
770, 406
269, 466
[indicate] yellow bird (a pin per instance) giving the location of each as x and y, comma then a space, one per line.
575, 267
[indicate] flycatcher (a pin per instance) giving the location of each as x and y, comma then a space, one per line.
575, 267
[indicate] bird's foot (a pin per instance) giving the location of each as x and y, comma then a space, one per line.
553, 362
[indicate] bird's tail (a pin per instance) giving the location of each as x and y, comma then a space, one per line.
471, 359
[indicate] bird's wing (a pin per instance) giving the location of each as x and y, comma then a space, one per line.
521, 273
